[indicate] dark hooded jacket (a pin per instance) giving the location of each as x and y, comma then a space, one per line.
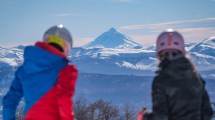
178, 93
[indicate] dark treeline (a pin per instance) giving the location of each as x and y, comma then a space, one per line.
102, 110
97, 110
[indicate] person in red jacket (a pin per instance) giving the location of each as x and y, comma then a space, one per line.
46, 79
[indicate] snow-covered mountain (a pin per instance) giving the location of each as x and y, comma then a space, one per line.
11, 57
114, 61
9, 61
19, 49
206, 47
113, 53
188, 46
112, 39
203, 55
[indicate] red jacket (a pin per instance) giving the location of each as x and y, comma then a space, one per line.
57, 103
140, 115
47, 81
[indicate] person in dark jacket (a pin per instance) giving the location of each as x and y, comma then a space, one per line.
46, 79
178, 91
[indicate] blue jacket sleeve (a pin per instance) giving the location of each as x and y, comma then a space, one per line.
12, 98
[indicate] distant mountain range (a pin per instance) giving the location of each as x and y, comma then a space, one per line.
113, 53
114, 65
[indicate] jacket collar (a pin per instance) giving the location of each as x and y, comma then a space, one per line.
50, 49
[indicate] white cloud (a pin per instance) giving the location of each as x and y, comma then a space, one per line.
192, 30
190, 35
165, 25
188, 30
197, 34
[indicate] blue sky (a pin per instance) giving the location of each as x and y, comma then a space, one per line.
25, 21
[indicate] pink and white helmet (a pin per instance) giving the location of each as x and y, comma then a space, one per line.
170, 40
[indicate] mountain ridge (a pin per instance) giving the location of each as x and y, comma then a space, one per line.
112, 39
122, 60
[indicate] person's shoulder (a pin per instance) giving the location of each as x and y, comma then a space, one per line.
28, 47
69, 68
69, 72
183, 60
163, 78
158, 80
162, 75
31, 50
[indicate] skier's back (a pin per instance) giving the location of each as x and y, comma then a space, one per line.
178, 91
46, 80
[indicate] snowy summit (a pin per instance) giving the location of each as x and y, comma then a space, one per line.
112, 39
210, 41
207, 47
